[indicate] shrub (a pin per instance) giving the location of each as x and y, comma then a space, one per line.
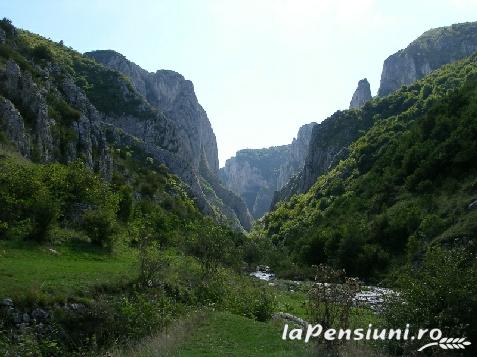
100, 228
42, 53
7, 26
331, 299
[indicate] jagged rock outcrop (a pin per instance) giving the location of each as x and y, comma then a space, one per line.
38, 140
428, 52
172, 94
255, 174
13, 127
20, 88
361, 95
195, 156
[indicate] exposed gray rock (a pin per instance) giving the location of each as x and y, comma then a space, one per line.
255, 174
20, 88
13, 126
26, 318
361, 95
328, 145
297, 155
171, 93
290, 318
430, 51
40, 315
473, 205
3, 36
330, 138
48, 117
6, 302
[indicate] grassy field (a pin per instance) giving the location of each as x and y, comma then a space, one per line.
29, 271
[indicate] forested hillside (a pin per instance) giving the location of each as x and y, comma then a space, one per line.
407, 183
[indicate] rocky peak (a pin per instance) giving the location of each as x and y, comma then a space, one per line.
361, 95
171, 93
428, 52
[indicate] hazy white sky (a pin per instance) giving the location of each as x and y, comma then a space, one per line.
261, 68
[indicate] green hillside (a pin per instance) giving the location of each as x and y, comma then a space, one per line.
407, 182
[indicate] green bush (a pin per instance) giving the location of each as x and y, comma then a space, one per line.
100, 227
42, 53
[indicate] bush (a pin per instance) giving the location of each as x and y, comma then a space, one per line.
42, 53
100, 228
7, 26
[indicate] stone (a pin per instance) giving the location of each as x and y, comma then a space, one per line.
255, 174
332, 136
180, 127
3, 36
26, 318
162, 117
39, 315
361, 95
6, 302
428, 52
473, 205
13, 126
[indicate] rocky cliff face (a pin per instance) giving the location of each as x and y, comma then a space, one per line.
29, 123
52, 112
430, 51
174, 96
255, 174
361, 95
170, 93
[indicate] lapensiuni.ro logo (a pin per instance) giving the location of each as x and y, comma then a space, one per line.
434, 335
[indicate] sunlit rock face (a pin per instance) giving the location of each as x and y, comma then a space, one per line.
361, 95
255, 174
433, 49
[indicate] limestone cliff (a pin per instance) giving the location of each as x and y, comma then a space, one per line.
170, 93
428, 52
255, 174
361, 95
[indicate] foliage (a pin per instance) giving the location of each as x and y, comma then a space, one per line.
406, 182
34, 198
7, 26
42, 53
440, 292
330, 299
100, 227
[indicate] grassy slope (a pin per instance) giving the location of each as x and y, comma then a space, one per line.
30, 269
224, 334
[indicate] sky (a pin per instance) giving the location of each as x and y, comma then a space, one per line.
260, 68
